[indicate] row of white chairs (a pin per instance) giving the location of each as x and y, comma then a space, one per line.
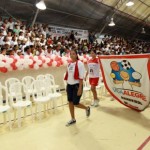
43, 91
17, 95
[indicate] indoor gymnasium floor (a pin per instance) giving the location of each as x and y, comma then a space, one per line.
111, 126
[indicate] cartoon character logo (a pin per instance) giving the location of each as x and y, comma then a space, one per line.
123, 73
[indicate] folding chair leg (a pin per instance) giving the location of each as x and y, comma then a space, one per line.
54, 104
25, 113
62, 102
4, 116
39, 111
51, 103
9, 119
36, 110
19, 117
15, 112
44, 109
31, 113
47, 104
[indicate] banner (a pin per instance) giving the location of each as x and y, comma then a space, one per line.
61, 31
127, 78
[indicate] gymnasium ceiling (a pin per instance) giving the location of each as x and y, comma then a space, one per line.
140, 9
93, 15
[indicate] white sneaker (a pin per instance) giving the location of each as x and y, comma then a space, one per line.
93, 103
96, 103
71, 122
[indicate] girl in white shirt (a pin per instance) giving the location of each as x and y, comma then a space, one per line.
94, 73
74, 77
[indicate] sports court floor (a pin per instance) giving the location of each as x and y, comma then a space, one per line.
111, 126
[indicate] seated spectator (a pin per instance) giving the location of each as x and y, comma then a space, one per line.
13, 41
3, 51
16, 29
9, 35
27, 51
11, 52
10, 24
21, 36
40, 51
49, 51
6, 41
16, 50
1, 37
33, 50
57, 50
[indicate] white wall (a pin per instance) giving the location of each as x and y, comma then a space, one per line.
58, 73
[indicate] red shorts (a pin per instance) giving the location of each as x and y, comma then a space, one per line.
93, 81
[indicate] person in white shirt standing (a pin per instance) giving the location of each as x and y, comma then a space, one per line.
94, 73
74, 77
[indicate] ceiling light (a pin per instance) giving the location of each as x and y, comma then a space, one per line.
111, 22
143, 31
41, 5
130, 3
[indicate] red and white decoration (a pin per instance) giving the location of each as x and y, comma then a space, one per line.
34, 62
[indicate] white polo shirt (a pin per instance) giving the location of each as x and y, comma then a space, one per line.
94, 68
71, 71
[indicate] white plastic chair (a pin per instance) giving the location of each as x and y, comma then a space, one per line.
19, 103
4, 107
53, 94
40, 77
86, 89
28, 86
50, 76
100, 87
40, 96
10, 81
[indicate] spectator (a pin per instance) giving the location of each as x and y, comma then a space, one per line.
49, 51
27, 51
72, 37
3, 51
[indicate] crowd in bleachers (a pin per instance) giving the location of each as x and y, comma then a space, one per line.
17, 38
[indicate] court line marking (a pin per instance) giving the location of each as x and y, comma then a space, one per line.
144, 143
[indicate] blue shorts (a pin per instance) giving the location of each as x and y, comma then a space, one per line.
72, 93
